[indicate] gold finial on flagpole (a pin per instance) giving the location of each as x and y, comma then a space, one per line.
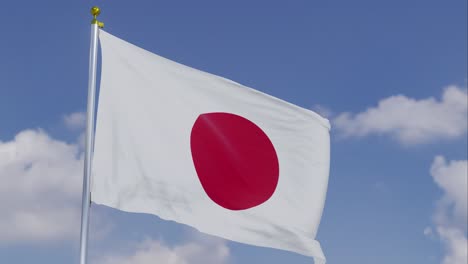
95, 11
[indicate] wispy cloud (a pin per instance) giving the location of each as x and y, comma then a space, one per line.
75, 121
450, 216
409, 120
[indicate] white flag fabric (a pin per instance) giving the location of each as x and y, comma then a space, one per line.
204, 151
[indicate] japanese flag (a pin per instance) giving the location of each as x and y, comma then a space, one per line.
204, 151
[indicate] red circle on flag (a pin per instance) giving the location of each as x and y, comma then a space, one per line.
235, 160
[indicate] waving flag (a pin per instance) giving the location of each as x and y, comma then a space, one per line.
204, 151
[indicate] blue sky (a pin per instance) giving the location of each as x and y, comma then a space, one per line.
397, 68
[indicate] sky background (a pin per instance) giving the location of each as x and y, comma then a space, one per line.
391, 77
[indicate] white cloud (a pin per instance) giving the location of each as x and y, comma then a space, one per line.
456, 245
411, 121
450, 216
40, 190
452, 178
199, 251
75, 120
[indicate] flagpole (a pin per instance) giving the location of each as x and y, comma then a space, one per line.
86, 198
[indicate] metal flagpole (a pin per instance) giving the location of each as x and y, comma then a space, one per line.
86, 198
